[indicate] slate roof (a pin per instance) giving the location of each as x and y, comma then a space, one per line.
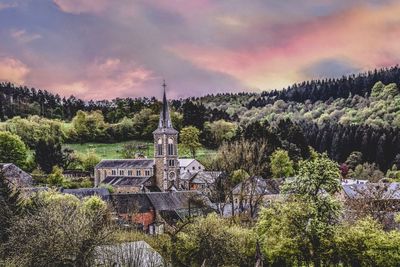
87, 192
16, 176
137, 253
187, 176
125, 180
129, 203
205, 177
163, 201
160, 201
126, 163
262, 186
373, 190
185, 162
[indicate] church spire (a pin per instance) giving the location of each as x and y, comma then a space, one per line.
165, 118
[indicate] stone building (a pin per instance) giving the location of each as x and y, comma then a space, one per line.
161, 172
133, 168
190, 165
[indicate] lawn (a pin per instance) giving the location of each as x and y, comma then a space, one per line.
113, 150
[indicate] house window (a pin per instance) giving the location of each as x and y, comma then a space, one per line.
147, 172
121, 172
138, 172
199, 168
193, 168
114, 172
130, 173
171, 163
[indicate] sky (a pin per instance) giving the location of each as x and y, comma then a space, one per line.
104, 49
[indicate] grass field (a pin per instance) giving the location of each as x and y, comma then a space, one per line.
113, 151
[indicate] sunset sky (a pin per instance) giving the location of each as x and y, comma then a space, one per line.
97, 49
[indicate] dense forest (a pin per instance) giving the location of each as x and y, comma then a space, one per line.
354, 113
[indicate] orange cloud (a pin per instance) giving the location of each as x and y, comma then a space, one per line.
13, 70
367, 37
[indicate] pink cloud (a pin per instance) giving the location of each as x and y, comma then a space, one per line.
107, 78
364, 36
23, 36
82, 6
13, 70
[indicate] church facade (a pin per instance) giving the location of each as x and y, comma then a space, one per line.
158, 174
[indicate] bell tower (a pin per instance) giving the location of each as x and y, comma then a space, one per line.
166, 149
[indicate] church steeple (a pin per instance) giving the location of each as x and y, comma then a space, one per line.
166, 149
165, 123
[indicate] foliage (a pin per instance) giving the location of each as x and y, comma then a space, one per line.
314, 184
367, 171
219, 131
239, 176
285, 233
242, 154
9, 209
315, 177
89, 161
12, 149
48, 153
56, 178
88, 126
214, 242
34, 128
59, 230
354, 159
365, 243
281, 165
189, 139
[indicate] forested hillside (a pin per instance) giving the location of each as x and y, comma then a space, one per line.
339, 116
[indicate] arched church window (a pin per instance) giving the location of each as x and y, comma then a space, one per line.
171, 147
159, 147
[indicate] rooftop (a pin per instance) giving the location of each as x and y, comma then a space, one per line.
87, 192
125, 180
185, 162
126, 163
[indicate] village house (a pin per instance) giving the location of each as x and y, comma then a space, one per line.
254, 192
380, 200
152, 210
190, 165
16, 177
112, 170
202, 181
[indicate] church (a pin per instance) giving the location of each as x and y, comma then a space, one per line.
161, 173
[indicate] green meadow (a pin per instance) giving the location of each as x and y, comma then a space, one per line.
114, 150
